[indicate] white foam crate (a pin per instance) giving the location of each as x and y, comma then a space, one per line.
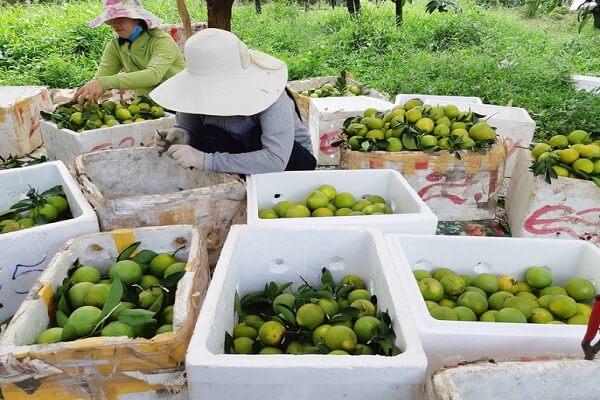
568, 208
326, 118
410, 213
20, 108
26, 253
513, 123
402, 98
66, 145
450, 342
587, 83
253, 256
551, 379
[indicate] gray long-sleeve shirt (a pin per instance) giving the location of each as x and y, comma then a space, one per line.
280, 126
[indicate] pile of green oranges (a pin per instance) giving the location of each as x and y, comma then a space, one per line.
414, 126
37, 209
135, 299
88, 116
339, 88
489, 298
336, 319
576, 155
327, 202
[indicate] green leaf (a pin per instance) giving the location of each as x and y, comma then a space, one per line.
596, 180
68, 333
346, 314
282, 287
114, 296
172, 280
287, 314
366, 145
64, 306
158, 303
327, 277
237, 306
229, 349
135, 316
125, 254
144, 256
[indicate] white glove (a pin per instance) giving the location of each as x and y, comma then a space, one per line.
187, 156
163, 138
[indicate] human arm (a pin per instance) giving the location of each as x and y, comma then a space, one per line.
164, 54
277, 138
110, 64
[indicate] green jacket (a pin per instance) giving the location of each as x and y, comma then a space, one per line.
142, 65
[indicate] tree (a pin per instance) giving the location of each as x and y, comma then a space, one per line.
258, 6
219, 14
353, 6
589, 9
400, 10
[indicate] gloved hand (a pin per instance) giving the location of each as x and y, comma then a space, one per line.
163, 138
187, 156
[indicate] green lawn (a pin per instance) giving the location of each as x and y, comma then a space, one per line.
494, 54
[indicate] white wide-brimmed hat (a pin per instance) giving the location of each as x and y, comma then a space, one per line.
125, 9
222, 77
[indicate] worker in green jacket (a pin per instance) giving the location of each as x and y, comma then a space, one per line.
140, 57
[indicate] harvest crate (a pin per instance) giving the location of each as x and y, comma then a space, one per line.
253, 256
65, 144
26, 253
409, 213
452, 342
512, 123
568, 208
20, 108
303, 102
104, 367
137, 187
327, 115
454, 189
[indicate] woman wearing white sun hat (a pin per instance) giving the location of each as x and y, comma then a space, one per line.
233, 113
140, 57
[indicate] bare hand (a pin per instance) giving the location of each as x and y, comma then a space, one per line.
90, 91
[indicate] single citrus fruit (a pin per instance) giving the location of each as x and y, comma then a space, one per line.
60, 203
175, 267
538, 277
431, 289
129, 272
465, 313
84, 319
243, 345
48, 336
522, 304
540, 316
446, 302
563, 306
496, 301
329, 307
282, 207
243, 330
117, 328
267, 214
444, 313
341, 337
160, 263
310, 316
85, 274
271, 333
78, 293
148, 281
510, 315
97, 295
421, 274
270, 351
474, 301
486, 282
489, 316
353, 280
453, 284
366, 328
439, 273
508, 283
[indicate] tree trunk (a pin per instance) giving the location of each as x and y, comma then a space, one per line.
399, 12
219, 14
596, 16
353, 6
332, 3
258, 6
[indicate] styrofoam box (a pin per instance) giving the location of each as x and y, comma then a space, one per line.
253, 256
26, 253
513, 123
450, 342
402, 98
65, 144
551, 379
20, 108
410, 213
587, 83
568, 208
326, 117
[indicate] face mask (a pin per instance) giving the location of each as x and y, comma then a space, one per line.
137, 31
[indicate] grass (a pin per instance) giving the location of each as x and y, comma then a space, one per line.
495, 54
